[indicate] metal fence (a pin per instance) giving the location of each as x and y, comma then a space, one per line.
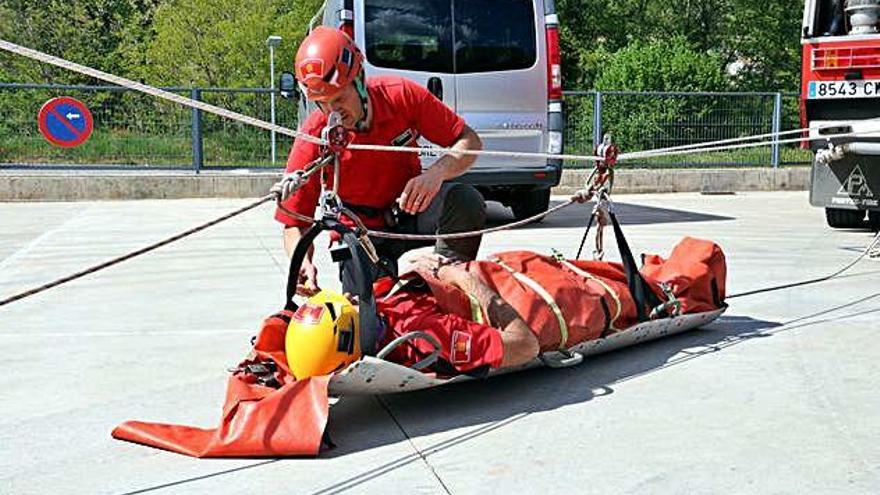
133, 130
652, 120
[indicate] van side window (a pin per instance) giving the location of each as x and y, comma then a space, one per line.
492, 35
413, 35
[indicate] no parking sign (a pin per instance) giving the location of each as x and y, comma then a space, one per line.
65, 122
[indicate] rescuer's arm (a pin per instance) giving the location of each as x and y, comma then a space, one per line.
420, 190
307, 284
519, 342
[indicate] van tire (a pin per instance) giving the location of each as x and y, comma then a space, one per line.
845, 219
874, 220
529, 203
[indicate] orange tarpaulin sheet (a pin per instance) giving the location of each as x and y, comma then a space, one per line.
258, 421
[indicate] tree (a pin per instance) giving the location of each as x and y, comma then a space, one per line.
89, 32
222, 42
761, 36
765, 38
643, 122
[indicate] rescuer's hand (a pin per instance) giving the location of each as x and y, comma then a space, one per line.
419, 191
307, 285
582, 195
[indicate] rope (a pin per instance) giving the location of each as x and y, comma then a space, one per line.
710, 146
133, 254
463, 235
866, 252
153, 91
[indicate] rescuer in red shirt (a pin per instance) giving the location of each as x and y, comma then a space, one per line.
390, 111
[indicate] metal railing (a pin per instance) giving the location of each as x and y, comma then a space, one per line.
649, 120
133, 130
136, 131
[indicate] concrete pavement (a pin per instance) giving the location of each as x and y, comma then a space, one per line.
779, 396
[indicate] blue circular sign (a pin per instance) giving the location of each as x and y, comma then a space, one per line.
65, 122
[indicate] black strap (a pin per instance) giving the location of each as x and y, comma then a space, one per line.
716, 295
368, 319
296, 261
584, 238
605, 311
643, 295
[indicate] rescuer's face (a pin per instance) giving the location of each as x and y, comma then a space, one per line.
347, 104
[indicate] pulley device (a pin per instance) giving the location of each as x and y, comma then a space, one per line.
598, 186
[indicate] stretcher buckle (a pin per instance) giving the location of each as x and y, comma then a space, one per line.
561, 359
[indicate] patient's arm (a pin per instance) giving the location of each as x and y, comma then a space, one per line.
520, 343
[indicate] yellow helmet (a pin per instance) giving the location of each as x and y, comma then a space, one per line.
323, 336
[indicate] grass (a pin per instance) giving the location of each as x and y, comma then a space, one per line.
131, 149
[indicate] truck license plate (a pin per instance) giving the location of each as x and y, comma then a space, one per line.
843, 89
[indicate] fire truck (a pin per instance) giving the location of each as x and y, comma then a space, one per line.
840, 103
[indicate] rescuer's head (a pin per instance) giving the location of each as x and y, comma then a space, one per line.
323, 335
329, 68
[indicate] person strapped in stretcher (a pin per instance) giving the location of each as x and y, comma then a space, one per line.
506, 310
443, 318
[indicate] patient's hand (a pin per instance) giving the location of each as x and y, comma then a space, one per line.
445, 269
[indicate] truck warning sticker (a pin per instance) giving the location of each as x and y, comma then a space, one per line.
855, 190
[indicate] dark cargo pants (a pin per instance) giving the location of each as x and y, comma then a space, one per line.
455, 208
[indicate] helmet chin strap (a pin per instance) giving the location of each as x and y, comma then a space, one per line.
361, 87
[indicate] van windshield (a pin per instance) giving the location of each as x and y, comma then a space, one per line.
489, 35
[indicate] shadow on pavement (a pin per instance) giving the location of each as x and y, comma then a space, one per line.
502, 397
628, 214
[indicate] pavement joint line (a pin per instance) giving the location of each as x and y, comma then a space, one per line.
262, 244
412, 444
400, 462
202, 477
24, 250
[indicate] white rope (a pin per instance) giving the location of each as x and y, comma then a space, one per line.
150, 90
756, 145
473, 233
509, 154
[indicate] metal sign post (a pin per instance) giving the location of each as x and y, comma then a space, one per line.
272, 41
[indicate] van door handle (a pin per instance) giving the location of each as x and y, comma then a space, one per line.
435, 86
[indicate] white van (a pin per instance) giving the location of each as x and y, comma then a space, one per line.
495, 62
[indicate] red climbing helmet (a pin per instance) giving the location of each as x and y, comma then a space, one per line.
327, 60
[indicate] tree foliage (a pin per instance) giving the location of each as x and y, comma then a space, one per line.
97, 33
222, 42
762, 37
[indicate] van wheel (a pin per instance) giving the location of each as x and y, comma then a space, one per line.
529, 203
845, 219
